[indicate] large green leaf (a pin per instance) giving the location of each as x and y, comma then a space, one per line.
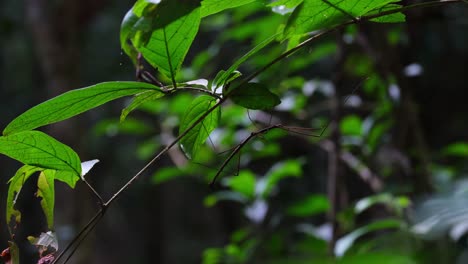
318, 14
38, 149
73, 103
209, 7
197, 136
15, 185
254, 96
170, 39
45, 190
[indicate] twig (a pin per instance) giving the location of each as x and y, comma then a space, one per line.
98, 196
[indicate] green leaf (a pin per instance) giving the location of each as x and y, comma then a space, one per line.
318, 14
209, 7
288, 168
15, 185
224, 77
171, 39
138, 100
126, 30
351, 125
38, 149
197, 136
67, 177
243, 183
311, 205
344, 243
254, 96
391, 18
45, 190
166, 174
73, 103
459, 149
397, 203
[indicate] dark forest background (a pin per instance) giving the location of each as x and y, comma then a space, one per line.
406, 124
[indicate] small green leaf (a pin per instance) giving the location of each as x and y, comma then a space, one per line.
243, 183
73, 103
311, 205
351, 125
15, 185
209, 7
254, 96
38, 149
45, 190
171, 39
197, 136
138, 100
224, 77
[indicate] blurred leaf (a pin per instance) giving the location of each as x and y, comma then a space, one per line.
351, 125
376, 133
442, 214
459, 149
397, 203
243, 183
347, 241
73, 103
15, 185
311, 205
113, 126
212, 256
46, 191
170, 39
197, 136
38, 149
209, 7
373, 258
140, 99
211, 200
254, 96
288, 168
166, 174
